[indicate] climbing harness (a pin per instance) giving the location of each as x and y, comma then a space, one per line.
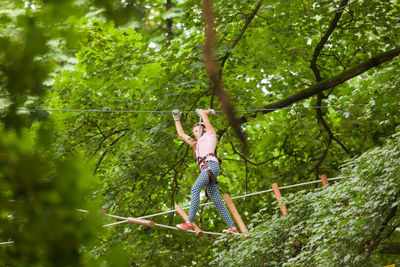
202, 162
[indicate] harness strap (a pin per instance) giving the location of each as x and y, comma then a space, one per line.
200, 160
210, 174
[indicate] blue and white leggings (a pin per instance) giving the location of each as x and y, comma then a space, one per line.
213, 192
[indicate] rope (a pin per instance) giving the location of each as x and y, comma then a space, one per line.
112, 224
191, 231
7, 243
124, 219
242, 196
168, 111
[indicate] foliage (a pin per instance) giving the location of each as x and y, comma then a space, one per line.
38, 207
338, 225
40, 191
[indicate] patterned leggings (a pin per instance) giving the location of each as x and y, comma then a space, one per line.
202, 182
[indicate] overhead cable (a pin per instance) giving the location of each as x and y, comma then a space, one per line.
169, 111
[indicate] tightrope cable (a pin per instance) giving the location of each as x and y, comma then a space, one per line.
169, 111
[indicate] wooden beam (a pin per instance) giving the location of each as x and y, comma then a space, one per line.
140, 221
183, 214
324, 180
236, 215
279, 198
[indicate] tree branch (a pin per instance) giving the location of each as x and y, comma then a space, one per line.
318, 78
373, 243
325, 38
325, 125
238, 38
331, 82
316, 167
170, 33
105, 137
248, 20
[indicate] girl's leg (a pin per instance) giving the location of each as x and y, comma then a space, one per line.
200, 183
216, 198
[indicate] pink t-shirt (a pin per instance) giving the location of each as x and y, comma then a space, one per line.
206, 145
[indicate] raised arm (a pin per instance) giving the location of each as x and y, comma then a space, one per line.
180, 131
206, 121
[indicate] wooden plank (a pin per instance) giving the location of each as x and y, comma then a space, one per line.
140, 221
324, 180
236, 215
183, 214
279, 198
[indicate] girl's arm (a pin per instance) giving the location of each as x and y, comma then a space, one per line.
181, 132
207, 123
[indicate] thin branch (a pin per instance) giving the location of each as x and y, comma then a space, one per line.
252, 163
321, 160
248, 20
353, 55
105, 152
324, 39
304, 6
373, 243
325, 125
338, 59
98, 128
170, 33
105, 137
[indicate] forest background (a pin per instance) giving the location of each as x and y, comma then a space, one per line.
320, 80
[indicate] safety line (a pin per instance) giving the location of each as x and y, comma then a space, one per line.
169, 111
283, 187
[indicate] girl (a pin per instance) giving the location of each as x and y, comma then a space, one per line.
204, 149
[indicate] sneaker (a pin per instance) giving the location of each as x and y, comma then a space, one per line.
230, 230
185, 226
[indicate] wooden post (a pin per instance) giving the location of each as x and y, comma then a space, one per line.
279, 198
183, 214
236, 214
140, 221
324, 180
